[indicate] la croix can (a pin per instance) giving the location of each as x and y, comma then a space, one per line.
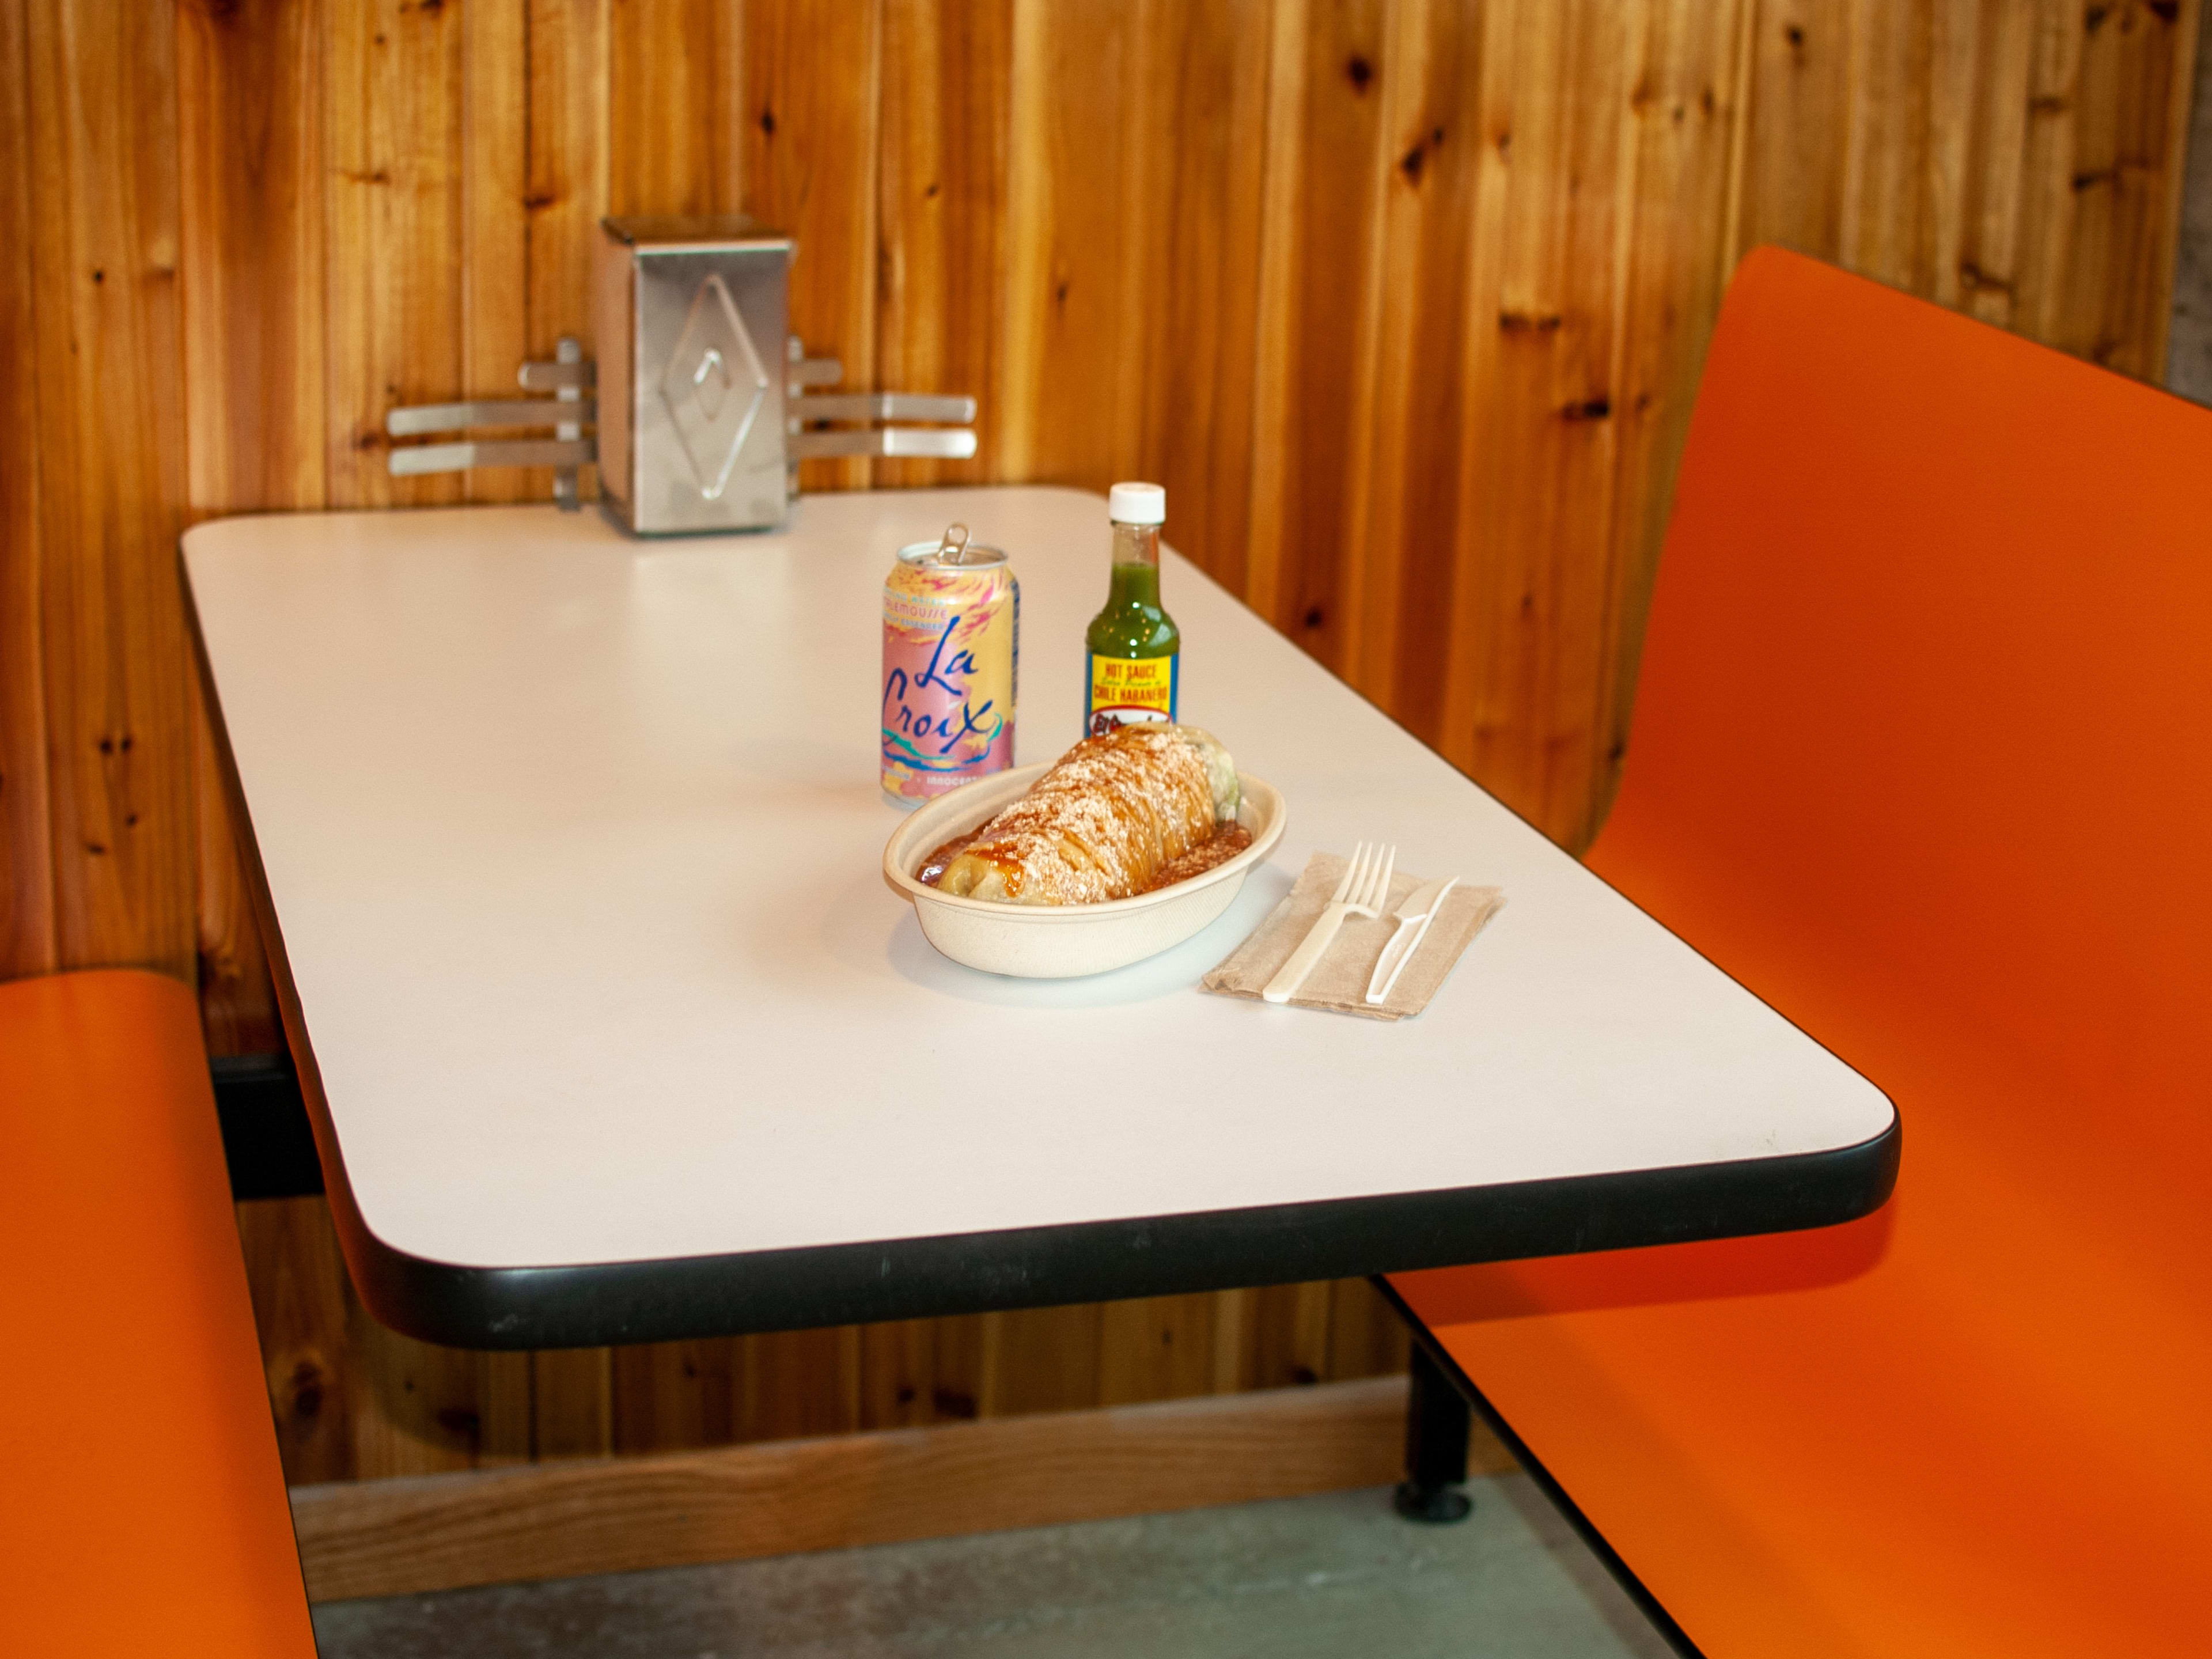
952, 624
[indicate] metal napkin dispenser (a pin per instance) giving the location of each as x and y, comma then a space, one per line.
703, 408
689, 321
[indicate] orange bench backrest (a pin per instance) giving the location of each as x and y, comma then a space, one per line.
142, 1509
1923, 736
1919, 756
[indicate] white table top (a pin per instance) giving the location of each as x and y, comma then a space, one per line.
574, 844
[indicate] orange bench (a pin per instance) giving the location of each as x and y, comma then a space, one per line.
144, 1508
1922, 756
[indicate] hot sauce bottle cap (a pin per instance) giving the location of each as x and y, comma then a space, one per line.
1137, 503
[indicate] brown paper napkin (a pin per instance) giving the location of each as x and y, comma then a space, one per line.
1339, 980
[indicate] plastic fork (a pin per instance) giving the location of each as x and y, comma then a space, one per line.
1365, 887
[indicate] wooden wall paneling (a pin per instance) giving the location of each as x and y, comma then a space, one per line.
1199, 174
941, 189
1289, 1341
1688, 92
1901, 118
794, 1383
238, 1003
1366, 1337
812, 74
1371, 552
1995, 176
1039, 1359
1432, 155
495, 221
1157, 1347
675, 105
1528, 589
27, 912
250, 146
393, 213
1280, 181
299, 1299
104, 198
250, 85
418, 1409
2048, 195
2131, 96
571, 1403
1796, 120
669, 1395
1073, 251
566, 179
919, 1372
1331, 320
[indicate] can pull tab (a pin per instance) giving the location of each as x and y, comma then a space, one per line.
953, 548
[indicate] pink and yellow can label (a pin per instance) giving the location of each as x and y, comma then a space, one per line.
951, 652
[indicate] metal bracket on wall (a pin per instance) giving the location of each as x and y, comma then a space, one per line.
818, 426
567, 412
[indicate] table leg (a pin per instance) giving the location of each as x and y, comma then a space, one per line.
1437, 1421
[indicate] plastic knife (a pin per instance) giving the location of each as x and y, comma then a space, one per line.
1414, 916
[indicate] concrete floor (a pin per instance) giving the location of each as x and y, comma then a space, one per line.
1334, 1575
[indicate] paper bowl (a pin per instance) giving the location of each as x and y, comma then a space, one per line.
1057, 941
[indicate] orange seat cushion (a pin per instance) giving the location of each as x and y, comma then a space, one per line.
1922, 756
145, 1510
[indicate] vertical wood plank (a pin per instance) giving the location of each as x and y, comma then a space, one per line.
1799, 121
942, 178
251, 152
238, 1003
420, 1409
251, 158
299, 1295
812, 70
1289, 1335
668, 1395
1366, 1337
1529, 595
794, 1383
1996, 178
674, 105
495, 224
105, 198
1070, 253
1397, 642
1158, 1348
1039, 1359
26, 912
1686, 105
1280, 183
1334, 311
567, 178
1199, 175
571, 1403
393, 294
918, 1371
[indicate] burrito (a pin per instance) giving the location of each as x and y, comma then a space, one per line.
1105, 823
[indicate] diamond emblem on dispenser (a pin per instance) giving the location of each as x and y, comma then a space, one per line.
713, 386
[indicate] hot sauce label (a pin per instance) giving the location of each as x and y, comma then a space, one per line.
1124, 692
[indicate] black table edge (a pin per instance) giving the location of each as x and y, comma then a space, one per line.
659, 1301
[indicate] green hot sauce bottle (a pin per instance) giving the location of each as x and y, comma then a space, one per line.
1135, 662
